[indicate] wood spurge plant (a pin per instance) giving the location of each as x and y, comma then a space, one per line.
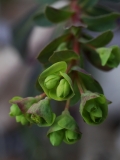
64, 77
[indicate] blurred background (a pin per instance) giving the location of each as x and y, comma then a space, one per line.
20, 42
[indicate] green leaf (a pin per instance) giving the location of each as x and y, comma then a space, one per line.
94, 58
101, 23
46, 1
40, 20
87, 3
99, 41
50, 48
90, 83
98, 10
104, 54
67, 121
114, 1
37, 85
57, 15
64, 55
109, 56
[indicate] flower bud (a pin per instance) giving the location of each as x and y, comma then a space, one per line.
96, 114
56, 138
22, 119
63, 88
14, 110
51, 81
93, 108
64, 128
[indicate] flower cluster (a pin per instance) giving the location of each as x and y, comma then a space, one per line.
59, 86
64, 78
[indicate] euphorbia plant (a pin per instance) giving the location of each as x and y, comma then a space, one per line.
64, 78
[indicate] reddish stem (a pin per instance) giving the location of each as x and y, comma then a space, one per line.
43, 95
76, 46
75, 8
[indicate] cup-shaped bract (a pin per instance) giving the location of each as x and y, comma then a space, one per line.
52, 79
109, 56
93, 108
64, 129
41, 113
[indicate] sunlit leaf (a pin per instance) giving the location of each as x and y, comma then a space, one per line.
109, 56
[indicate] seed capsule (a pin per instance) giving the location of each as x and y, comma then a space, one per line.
56, 138
63, 89
51, 81
14, 110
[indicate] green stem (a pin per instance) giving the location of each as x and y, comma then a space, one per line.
43, 95
71, 64
67, 105
81, 86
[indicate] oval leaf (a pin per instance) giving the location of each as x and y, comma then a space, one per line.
57, 15
94, 58
50, 48
109, 56
87, 3
90, 83
64, 55
99, 41
40, 20
101, 23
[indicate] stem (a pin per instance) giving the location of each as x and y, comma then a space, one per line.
76, 46
80, 87
67, 105
76, 8
71, 64
43, 95
92, 47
